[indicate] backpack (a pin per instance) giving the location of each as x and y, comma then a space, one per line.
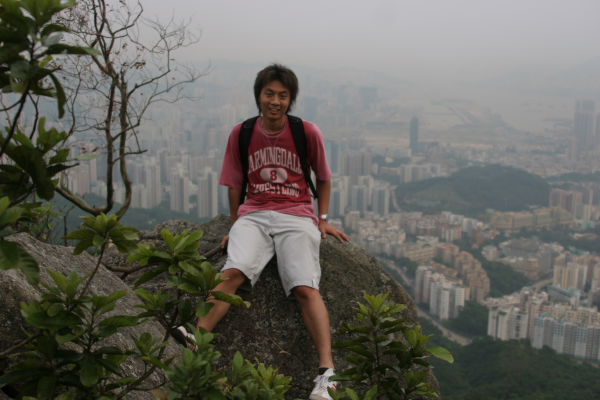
297, 127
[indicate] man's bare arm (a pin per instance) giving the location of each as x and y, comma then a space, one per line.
324, 192
233, 196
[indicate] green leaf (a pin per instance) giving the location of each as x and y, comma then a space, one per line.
4, 203
61, 156
23, 139
104, 304
87, 157
59, 279
352, 394
90, 372
21, 70
66, 396
12, 255
31, 160
371, 394
46, 386
203, 308
54, 310
230, 298
441, 353
68, 49
150, 274
10, 215
48, 138
73, 282
53, 28
69, 337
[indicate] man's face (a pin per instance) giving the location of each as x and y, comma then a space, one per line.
274, 101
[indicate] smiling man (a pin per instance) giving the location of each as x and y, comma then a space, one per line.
277, 217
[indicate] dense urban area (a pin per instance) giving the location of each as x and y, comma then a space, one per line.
493, 228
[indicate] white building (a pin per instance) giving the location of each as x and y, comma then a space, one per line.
208, 194
445, 297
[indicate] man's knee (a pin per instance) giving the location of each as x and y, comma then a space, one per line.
233, 278
306, 293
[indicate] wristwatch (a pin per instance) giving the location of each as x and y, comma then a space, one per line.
323, 217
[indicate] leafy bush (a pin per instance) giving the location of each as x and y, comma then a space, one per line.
29, 40
387, 355
66, 354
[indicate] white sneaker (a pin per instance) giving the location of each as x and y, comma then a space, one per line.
322, 382
183, 337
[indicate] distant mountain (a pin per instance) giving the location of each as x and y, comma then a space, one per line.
472, 190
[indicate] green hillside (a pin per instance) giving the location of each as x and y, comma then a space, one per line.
472, 190
489, 369
495, 370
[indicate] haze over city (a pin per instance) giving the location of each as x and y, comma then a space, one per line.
498, 52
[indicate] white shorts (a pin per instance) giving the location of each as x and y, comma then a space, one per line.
256, 237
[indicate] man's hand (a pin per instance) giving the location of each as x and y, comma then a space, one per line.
326, 228
233, 218
224, 242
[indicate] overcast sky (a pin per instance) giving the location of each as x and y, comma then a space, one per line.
410, 39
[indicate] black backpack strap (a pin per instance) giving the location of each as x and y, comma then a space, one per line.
297, 127
245, 136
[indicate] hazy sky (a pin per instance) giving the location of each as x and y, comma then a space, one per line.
411, 39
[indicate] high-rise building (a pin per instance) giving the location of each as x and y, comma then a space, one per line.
356, 163
583, 126
507, 323
359, 198
180, 192
380, 202
414, 135
598, 129
208, 195
153, 183
446, 298
334, 155
422, 283
570, 276
339, 199
139, 196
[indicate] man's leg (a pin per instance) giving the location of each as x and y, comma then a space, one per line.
234, 278
316, 319
249, 249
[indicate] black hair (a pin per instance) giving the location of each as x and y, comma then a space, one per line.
276, 72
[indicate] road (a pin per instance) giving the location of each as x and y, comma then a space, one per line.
451, 335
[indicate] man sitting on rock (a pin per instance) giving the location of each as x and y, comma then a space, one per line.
277, 217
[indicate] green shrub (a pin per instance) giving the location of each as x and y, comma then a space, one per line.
387, 355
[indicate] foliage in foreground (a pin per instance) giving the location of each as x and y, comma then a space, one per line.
30, 41
67, 355
388, 356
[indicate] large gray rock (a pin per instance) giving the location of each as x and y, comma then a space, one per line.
272, 329
15, 289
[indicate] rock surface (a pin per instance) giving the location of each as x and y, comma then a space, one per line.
15, 289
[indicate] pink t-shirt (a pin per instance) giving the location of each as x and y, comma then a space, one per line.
275, 178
